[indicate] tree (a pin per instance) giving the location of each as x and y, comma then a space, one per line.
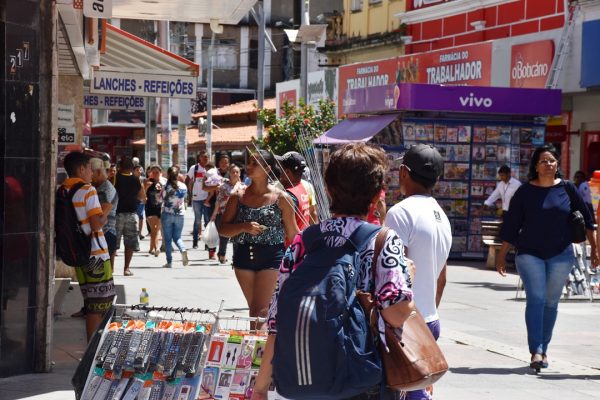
303, 121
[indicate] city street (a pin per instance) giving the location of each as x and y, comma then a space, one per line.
483, 330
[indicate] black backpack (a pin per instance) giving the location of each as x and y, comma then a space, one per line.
73, 246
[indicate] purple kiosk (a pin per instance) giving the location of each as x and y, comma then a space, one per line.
476, 129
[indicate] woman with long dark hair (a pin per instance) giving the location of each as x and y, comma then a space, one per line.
174, 197
537, 224
154, 188
258, 219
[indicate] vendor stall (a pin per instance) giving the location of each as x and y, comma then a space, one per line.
476, 129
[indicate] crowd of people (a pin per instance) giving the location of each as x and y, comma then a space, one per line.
270, 216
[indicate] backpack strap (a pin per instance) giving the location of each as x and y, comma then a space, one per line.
361, 236
571, 194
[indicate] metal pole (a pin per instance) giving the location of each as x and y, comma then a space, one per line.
165, 106
303, 54
260, 90
151, 155
209, 98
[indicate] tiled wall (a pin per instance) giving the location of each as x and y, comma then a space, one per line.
19, 168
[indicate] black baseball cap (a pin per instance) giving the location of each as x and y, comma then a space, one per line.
293, 161
424, 161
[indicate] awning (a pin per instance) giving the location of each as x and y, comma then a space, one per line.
356, 129
130, 66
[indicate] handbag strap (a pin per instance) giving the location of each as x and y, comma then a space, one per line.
570, 193
379, 242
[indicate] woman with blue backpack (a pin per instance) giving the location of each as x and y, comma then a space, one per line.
319, 343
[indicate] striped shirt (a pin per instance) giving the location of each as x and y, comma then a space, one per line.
87, 205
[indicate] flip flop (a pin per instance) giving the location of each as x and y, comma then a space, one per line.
127, 273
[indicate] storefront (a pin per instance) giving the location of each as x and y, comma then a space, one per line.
476, 129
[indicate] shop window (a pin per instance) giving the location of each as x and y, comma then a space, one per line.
356, 5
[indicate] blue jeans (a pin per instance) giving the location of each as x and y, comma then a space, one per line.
543, 281
172, 226
200, 211
434, 327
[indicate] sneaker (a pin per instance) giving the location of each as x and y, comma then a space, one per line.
141, 237
184, 258
167, 265
211, 255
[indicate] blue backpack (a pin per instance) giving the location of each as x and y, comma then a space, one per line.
324, 348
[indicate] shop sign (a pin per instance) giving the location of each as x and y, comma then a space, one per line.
364, 75
590, 54
530, 64
107, 102
66, 115
286, 91
66, 135
97, 8
150, 85
464, 65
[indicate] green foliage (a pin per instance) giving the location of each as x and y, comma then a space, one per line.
283, 131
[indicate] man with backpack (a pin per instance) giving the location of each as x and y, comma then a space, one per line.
424, 229
80, 241
320, 343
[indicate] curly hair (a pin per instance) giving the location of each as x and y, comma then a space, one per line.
354, 176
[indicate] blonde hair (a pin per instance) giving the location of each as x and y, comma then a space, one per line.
98, 165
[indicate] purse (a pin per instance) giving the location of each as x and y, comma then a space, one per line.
576, 220
413, 360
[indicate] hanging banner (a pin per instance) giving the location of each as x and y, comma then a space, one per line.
287, 91
97, 8
530, 64
107, 102
132, 84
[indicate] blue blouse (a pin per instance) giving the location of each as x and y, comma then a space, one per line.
537, 221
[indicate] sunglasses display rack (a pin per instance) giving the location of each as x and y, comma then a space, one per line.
167, 353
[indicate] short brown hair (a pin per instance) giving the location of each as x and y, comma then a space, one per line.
354, 176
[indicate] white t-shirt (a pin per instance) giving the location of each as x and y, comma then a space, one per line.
505, 192
197, 173
425, 231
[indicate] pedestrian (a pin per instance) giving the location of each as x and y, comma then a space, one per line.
174, 199
112, 173
301, 191
425, 230
154, 187
215, 177
138, 171
231, 186
537, 224
195, 183
95, 280
130, 192
505, 189
583, 187
258, 220
359, 169
109, 200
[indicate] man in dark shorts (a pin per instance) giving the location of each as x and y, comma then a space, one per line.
130, 192
95, 279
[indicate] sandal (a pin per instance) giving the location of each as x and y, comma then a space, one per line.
544, 360
127, 272
223, 259
536, 361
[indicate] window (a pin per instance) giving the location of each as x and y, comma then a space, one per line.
225, 54
356, 5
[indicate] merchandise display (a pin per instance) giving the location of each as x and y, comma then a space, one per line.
145, 354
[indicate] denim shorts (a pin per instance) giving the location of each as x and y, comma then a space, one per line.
257, 257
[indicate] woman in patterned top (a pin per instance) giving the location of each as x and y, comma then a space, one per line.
174, 195
358, 169
257, 220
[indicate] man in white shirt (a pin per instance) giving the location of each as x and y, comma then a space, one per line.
195, 183
505, 189
425, 231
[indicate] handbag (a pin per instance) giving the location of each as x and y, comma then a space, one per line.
411, 357
576, 220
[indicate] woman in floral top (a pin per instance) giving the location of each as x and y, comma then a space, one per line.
174, 195
358, 169
230, 186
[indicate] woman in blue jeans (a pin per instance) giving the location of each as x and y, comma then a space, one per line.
174, 195
537, 224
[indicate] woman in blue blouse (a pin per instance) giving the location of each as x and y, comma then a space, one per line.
537, 224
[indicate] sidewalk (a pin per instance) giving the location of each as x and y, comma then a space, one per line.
483, 330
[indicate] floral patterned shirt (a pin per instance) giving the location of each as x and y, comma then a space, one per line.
392, 283
174, 199
225, 192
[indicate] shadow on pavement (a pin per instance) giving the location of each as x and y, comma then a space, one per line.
545, 374
502, 287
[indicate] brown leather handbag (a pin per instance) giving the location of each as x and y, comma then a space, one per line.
413, 361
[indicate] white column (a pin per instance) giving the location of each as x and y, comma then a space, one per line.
244, 55
199, 31
268, 61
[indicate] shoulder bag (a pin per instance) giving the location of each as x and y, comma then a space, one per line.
413, 361
576, 220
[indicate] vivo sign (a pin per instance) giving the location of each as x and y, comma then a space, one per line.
477, 102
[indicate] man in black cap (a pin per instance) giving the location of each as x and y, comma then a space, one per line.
301, 191
425, 231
